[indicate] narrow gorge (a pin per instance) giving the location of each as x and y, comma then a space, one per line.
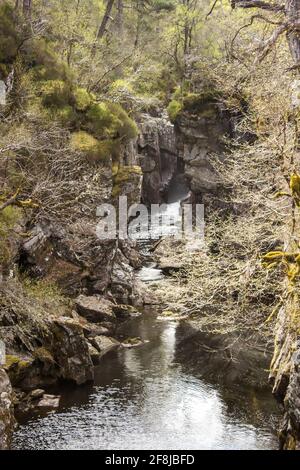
151, 341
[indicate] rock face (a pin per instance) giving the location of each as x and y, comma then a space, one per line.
158, 156
103, 344
6, 411
285, 377
199, 135
71, 352
95, 309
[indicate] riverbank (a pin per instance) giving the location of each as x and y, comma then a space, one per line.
156, 396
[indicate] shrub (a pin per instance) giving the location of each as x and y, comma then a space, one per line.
94, 149
9, 38
8, 219
100, 120
47, 65
83, 99
66, 115
174, 109
56, 93
110, 120
123, 125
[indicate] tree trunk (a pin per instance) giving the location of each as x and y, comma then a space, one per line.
27, 8
120, 18
106, 18
293, 14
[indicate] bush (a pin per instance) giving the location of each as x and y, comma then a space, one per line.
174, 109
110, 120
8, 219
94, 149
66, 115
123, 126
47, 65
99, 120
83, 99
9, 38
56, 93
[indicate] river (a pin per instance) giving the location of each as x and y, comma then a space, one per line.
154, 397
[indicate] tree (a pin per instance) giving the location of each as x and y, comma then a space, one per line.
290, 24
107, 16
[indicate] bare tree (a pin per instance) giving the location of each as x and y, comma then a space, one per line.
289, 25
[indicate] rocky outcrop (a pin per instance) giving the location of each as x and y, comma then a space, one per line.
71, 352
95, 309
199, 128
6, 411
103, 345
285, 376
158, 156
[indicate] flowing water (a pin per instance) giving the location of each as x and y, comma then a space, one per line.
154, 397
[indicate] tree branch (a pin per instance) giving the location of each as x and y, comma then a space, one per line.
258, 4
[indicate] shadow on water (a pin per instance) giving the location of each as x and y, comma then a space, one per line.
156, 397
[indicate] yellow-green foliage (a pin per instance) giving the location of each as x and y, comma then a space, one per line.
83, 99
124, 126
66, 115
42, 289
197, 102
16, 367
45, 62
100, 120
174, 109
94, 149
110, 120
121, 85
9, 38
56, 93
295, 187
8, 219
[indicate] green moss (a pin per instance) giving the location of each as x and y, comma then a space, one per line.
83, 99
197, 102
56, 93
42, 289
174, 109
125, 173
43, 355
16, 367
122, 174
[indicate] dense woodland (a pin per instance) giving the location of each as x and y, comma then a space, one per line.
78, 76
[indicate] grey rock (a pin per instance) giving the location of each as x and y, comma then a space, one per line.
103, 344
95, 309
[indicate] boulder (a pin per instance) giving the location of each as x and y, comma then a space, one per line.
95, 309
49, 402
91, 330
71, 351
95, 355
103, 344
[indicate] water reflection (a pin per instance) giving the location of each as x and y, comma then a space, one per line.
150, 398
